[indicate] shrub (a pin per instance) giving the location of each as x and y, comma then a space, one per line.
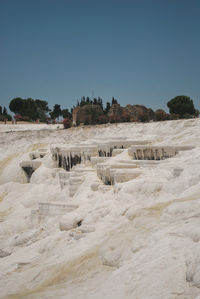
174, 116
161, 115
114, 119
196, 113
102, 119
17, 117
142, 117
67, 123
125, 117
187, 116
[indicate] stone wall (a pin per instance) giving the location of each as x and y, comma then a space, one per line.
87, 114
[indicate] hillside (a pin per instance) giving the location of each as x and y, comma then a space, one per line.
111, 227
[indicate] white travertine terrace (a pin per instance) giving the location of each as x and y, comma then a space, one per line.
69, 235
140, 152
34, 155
117, 151
64, 179
38, 154
55, 208
111, 173
69, 156
29, 167
96, 160
98, 155
74, 183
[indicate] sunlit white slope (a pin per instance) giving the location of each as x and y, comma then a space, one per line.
138, 239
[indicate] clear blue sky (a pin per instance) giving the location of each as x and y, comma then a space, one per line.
139, 51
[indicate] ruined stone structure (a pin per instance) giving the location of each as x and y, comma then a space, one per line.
140, 113
87, 114
115, 110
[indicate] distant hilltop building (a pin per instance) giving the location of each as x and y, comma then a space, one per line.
94, 114
88, 114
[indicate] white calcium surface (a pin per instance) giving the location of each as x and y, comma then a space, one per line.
137, 239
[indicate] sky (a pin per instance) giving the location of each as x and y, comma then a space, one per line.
139, 51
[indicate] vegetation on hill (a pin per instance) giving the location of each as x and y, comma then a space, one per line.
29, 109
92, 111
181, 105
4, 114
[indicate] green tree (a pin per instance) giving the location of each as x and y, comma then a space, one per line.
56, 111
16, 105
5, 112
100, 102
66, 114
29, 109
42, 109
83, 102
181, 105
107, 108
114, 101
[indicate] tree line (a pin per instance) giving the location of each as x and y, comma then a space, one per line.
4, 114
32, 110
96, 101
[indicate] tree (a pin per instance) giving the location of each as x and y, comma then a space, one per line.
107, 108
43, 105
16, 105
83, 102
29, 109
114, 101
5, 112
181, 105
66, 114
56, 111
42, 109
100, 102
